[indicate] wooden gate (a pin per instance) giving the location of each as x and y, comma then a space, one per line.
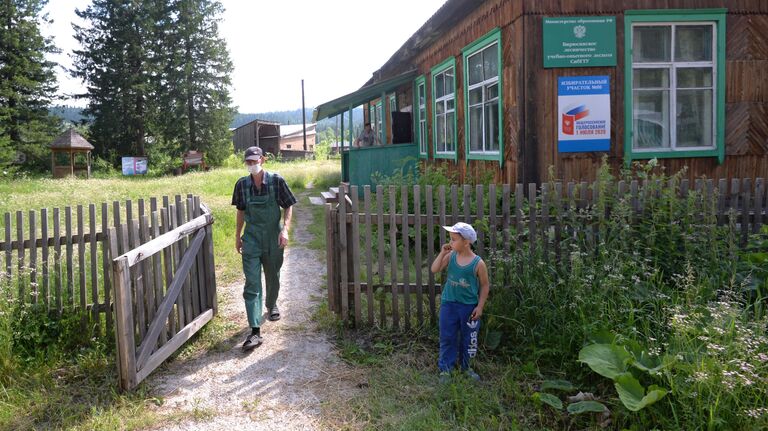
165, 289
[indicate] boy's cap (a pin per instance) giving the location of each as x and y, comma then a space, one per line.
465, 230
253, 153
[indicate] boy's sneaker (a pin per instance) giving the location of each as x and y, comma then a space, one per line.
472, 374
251, 342
445, 377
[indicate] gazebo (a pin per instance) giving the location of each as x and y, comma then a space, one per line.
70, 146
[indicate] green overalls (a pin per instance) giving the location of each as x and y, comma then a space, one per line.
260, 247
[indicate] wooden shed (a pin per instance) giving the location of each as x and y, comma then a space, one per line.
501, 86
263, 134
71, 155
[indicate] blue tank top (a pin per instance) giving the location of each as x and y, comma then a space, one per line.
461, 284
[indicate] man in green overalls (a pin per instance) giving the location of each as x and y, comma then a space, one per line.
258, 198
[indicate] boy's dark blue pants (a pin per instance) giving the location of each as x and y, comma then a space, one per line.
458, 335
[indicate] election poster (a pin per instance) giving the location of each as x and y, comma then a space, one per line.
584, 120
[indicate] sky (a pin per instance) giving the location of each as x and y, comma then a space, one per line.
334, 45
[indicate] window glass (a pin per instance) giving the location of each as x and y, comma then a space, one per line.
693, 77
475, 68
490, 61
651, 118
651, 44
650, 78
694, 118
693, 43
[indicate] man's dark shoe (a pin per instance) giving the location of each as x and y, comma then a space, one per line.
274, 314
251, 342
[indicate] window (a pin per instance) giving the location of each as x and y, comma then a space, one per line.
444, 109
392, 103
675, 84
420, 117
374, 112
482, 85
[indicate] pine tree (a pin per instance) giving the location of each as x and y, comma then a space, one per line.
195, 103
116, 65
27, 84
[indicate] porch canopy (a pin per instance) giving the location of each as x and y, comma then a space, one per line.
363, 95
67, 146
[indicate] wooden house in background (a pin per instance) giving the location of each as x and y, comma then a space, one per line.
498, 86
275, 138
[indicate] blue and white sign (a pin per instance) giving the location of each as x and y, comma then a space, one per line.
134, 165
584, 106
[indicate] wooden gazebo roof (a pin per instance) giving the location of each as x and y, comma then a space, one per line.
71, 140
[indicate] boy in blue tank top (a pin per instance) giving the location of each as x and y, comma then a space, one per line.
464, 294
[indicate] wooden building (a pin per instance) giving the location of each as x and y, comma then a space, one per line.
484, 83
263, 134
292, 140
71, 155
275, 138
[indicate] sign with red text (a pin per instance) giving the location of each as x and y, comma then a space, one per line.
584, 114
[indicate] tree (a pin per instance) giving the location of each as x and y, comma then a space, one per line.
116, 66
27, 83
196, 105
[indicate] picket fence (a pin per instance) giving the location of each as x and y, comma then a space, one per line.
381, 242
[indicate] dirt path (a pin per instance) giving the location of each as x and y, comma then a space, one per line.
279, 385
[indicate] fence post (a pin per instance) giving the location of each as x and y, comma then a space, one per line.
124, 329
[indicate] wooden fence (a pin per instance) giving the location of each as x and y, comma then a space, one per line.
60, 259
380, 244
165, 287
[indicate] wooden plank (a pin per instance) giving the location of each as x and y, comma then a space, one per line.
532, 219
94, 269
174, 344
124, 329
81, 259
148, 294
417, 262
368, 250
698, 201
709, 204
454, 214
166, 239
558, 204
430, 252
722, 187
480, 204
519, 216
178, 251
467, 197
20, 256
746, 207
545, 220
168, 261
69, 252
7, 245
492, 221
393, 255
157, 265
210, 265
177, 284
571, 230
45, 256
404, 195
106, 259
139, 292
759, 204
330, 253
355, 238
733, 202
57, 260
380, 242
343, 250
202, 291
505, 216
194, 281
454, 211
183, 244
34, 291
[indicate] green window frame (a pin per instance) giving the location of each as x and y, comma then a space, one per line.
661, 76
444, 96
392, 103
420, 115
488, 95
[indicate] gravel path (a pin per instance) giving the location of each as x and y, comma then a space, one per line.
279, 385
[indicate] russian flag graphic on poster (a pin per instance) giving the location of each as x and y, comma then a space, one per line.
572, 116
584, 105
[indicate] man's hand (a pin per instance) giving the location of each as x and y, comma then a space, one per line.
282, 240
239, 245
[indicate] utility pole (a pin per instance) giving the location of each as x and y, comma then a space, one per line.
303, 117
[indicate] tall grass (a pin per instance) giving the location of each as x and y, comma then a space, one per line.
52, 378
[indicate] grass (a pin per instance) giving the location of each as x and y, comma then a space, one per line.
77, 390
